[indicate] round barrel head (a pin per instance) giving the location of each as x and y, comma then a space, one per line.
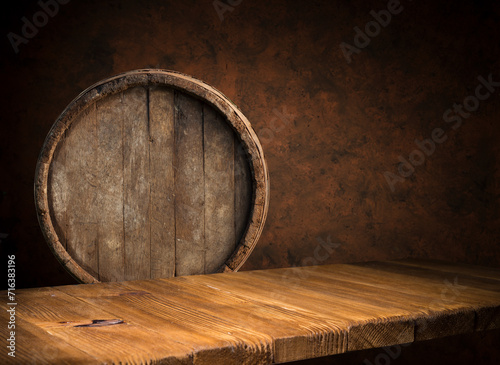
151, 174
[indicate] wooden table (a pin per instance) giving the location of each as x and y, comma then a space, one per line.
254, 317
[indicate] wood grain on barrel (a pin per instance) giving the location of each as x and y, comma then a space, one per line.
189, 187
57, 190
136, 180
143, 185
161, 130
218, 143
254, 317
110, 188
82, 213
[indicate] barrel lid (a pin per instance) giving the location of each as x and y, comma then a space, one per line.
151, 173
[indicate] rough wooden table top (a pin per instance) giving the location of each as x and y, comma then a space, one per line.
253, 317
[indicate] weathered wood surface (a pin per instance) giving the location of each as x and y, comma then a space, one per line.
151, 178
256, 317
161, 129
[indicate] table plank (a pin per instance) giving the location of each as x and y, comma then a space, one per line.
255, 317
218, 165
465, 269
290, 333
355, 298
136, 184
476, 291
446, 297
109, 200
349, 315
48, 349
171, 319
69, 319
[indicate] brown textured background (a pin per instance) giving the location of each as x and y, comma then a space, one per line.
329, 128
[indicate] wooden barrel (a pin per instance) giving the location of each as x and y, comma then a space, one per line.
151, 174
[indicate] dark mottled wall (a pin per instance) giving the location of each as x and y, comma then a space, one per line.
333, 131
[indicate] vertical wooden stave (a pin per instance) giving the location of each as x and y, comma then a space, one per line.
189, 186
111, 190
136, 181
161, 126
219, 189
81, 213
